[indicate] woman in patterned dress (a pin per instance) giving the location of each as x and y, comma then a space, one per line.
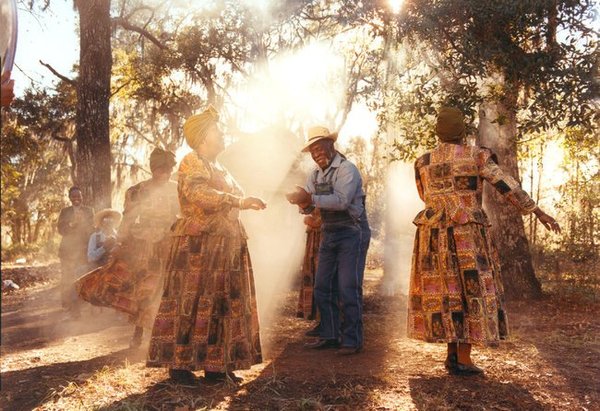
456, 294
207, 319
132, 280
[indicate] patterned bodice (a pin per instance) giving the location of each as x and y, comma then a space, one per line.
450, 182
209, 198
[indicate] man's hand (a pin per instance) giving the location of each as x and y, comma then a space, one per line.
548, 222
300, 197
252, 203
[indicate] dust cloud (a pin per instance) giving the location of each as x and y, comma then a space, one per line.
267, 165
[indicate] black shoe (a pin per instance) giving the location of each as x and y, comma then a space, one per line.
221, 376
463, 369
185, 377
314, 332
450, 363
349, 350
323, 344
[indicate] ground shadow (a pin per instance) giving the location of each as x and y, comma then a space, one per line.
42, 321
469, 393
28, 388
565, 334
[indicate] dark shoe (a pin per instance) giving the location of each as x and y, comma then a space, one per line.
182, 377
313, 332
463, 369
349, 350
323, 344
221, 376
450, 363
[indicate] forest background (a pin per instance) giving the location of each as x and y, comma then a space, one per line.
524, 72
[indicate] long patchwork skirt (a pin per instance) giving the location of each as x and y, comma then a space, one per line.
307, 308
456, 292
207, 317
131, 282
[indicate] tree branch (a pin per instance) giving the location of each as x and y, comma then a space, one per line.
60, 76
124, 23
121, 87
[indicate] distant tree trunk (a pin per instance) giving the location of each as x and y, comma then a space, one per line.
497, 131
93, 93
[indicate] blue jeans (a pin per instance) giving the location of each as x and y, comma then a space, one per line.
342, 257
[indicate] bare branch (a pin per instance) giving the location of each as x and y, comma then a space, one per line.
124, 23
121, 87
60, 76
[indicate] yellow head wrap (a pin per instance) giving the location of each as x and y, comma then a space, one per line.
450, 124
161, 158
196, 127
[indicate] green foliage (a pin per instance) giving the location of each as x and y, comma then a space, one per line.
35, 167
539, 55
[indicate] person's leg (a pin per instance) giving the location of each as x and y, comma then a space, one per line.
136, 339
326, 302
464, 354
350, 287
464, 364
451, 357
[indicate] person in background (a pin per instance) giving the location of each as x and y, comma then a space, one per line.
132, 281
456, 294
307, 307
75, 224
103, 239
151, 208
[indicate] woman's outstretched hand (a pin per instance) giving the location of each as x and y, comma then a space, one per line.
252, 203
548, 222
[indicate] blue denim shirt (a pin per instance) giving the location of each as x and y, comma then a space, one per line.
95, 248
347, 194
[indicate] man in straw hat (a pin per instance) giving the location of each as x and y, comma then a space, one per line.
207, 319
335, 189
75, 224
456, 294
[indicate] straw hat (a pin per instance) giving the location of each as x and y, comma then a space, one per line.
317, 133
107, 212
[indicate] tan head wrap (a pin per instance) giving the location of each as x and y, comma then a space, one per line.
450, 124
161, 158
196, 127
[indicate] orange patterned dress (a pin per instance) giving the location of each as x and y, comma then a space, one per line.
207, 317
456, 292
132, 280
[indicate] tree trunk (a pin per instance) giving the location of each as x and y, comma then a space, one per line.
497, 131
93, 93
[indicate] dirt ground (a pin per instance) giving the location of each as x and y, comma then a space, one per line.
52, 362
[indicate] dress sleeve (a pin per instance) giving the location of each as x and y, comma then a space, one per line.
130, 212
418, 181
195, 184
505, 184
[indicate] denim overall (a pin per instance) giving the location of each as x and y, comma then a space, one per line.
340, 271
